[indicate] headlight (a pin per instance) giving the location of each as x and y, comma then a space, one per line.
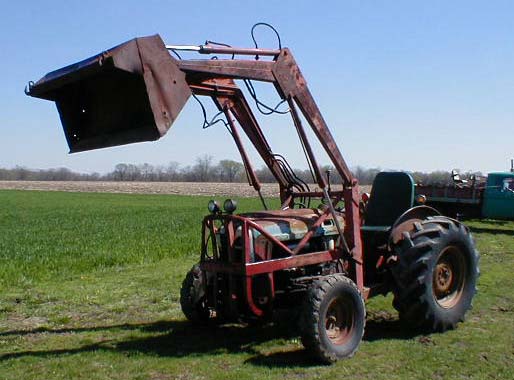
213, 206
421, 199
230, 206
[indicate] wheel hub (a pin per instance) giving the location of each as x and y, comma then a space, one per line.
449, 277
338, 321
444, 278
332, 328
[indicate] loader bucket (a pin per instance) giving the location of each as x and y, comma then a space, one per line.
130, 93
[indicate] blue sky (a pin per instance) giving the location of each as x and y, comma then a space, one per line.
402, 85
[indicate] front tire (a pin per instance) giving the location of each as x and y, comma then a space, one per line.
193, 300
333, 318
436, 274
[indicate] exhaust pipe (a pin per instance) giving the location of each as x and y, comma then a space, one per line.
130, 93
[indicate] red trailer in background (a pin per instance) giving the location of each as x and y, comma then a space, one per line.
489, 197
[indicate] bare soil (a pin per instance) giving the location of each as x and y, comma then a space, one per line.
181, 188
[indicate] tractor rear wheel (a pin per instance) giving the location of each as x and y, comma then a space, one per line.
332, 318
436, 274
192, 297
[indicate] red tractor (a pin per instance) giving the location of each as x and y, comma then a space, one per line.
320, 252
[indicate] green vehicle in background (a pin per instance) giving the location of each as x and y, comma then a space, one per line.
490, 198
498, 197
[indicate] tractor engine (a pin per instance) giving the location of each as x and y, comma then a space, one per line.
235, 241
290, 226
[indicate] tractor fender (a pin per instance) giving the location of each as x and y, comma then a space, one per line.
405, 222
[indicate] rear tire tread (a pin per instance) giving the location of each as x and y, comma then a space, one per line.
413, 273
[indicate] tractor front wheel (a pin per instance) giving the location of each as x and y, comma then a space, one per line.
192, 297
333, 318
436, 274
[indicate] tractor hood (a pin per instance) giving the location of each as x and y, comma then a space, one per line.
286, 225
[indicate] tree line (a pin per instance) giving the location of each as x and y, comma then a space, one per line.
203, 170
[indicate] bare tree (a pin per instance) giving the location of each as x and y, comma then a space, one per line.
146, 172
202, 168
120, 172
365, 176
230, 170
133, 172
173, 171
265, 175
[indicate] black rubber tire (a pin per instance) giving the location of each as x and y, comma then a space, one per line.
436, 274
324, 298
192, 297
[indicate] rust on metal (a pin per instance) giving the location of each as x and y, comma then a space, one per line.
130, 93
449, 277
407, 221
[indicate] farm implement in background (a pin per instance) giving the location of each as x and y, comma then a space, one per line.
320, 252
490, 197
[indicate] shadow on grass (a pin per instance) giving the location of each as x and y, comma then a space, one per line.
180, 339
491, 230
158, 326
284, 359
379, 326
168, 338
383, 325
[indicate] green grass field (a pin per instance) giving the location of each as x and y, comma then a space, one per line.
90, 285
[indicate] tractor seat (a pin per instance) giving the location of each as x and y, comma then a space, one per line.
392, 194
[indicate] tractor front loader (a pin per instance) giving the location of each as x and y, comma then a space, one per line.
325, 250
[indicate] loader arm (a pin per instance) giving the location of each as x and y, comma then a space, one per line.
229, 98
285, 74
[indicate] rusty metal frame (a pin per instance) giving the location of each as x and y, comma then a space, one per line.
247, 269
215, 78
285, 74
